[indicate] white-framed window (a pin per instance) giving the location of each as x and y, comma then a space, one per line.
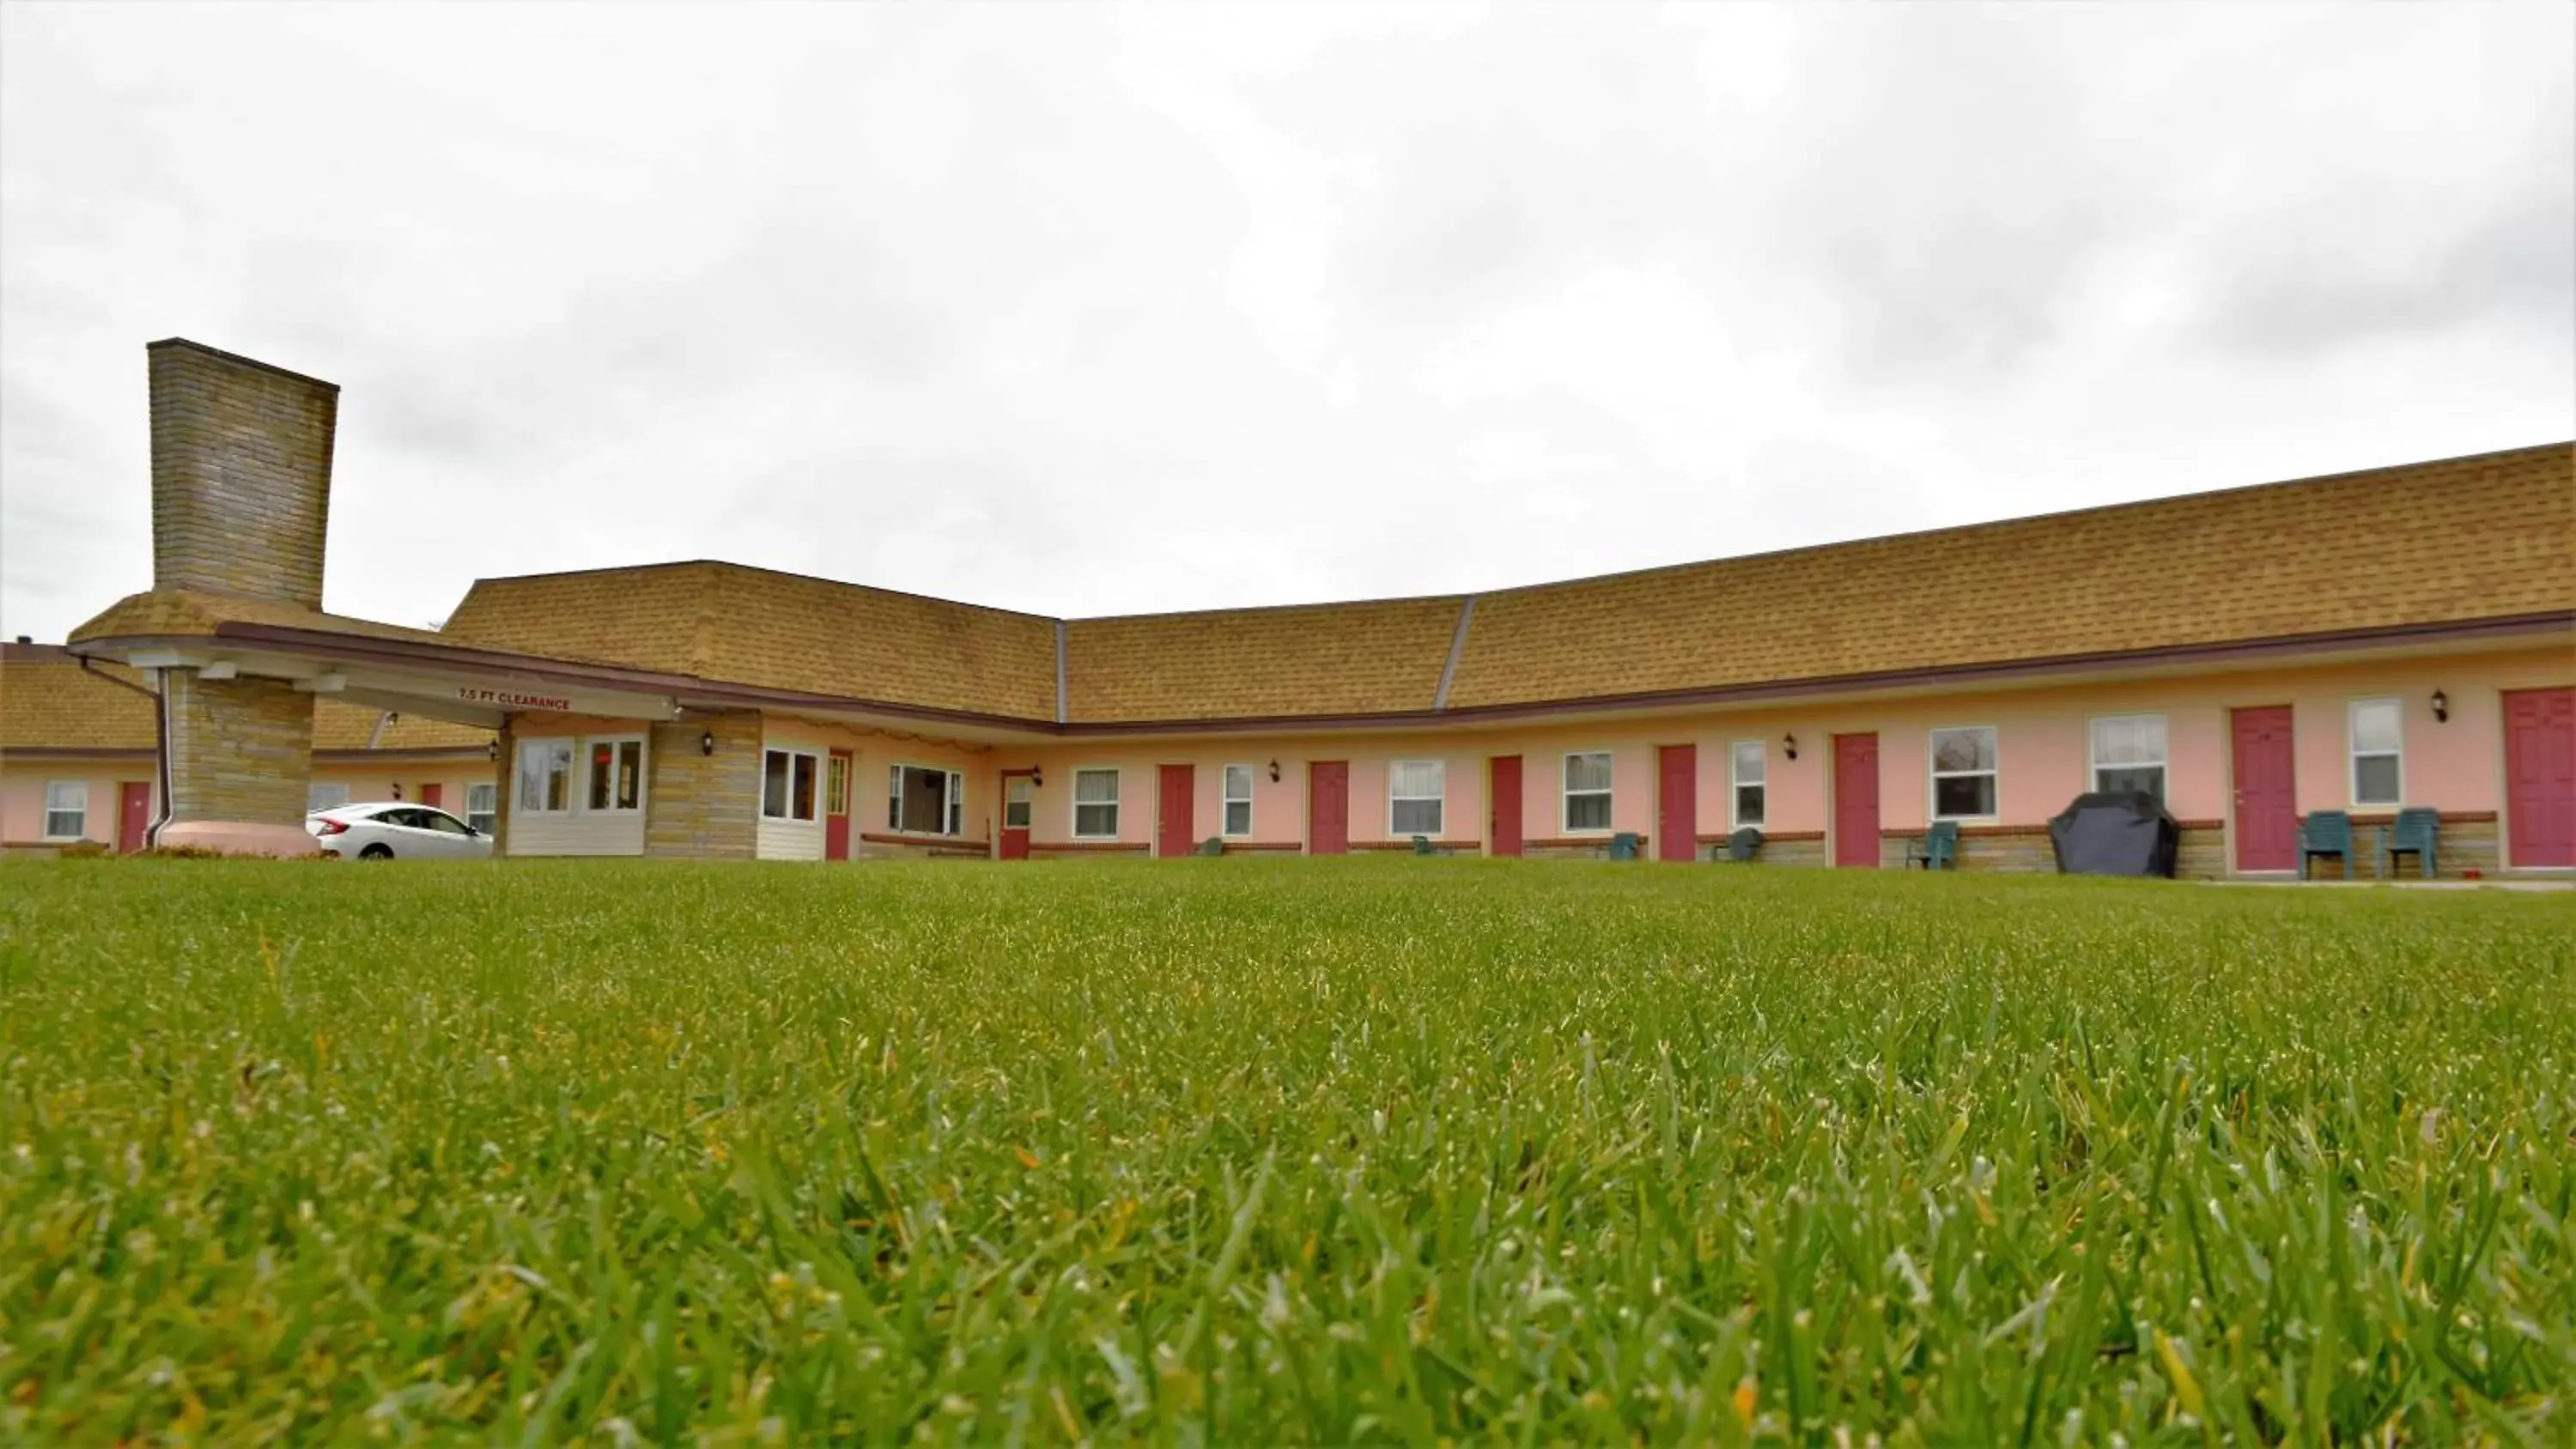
1095, 804
325, 795
2375, 732
1413, 794
66, 809
2129, 754
545, 777
1748, 769
1238, 800
836, 786
1019, 802
924, 801
1587, 791
482, 807
616, 778
1963, 773
787, 783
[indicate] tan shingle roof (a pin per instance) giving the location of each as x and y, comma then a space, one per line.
180, 613
47, 701
2471, 538
1378, 657
738, 625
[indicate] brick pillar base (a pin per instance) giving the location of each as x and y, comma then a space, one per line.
241, 764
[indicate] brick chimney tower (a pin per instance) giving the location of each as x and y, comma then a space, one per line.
241, 494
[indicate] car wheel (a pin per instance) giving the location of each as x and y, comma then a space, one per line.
377, 852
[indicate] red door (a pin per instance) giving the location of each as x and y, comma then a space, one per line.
2267, 796
1505, 796
1677, 822
1172, 833
1328, 807
1856, 800
133, 814
1019, 802
2539, 777
836, 807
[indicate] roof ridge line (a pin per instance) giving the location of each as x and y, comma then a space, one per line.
1457, 647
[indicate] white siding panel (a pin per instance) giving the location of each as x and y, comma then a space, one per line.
790, 839
577, 833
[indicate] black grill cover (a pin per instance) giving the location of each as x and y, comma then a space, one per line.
2115, 833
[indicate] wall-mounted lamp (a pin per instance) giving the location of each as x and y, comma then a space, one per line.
707, 743
1790, 743
492, 751
1037, 777
2441, 706
1274, 772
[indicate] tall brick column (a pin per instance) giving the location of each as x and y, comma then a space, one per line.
702, 804
241, 492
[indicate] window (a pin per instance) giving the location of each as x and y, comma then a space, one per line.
616, 775
545, 776
1749, 765
2129, 754
321, 796
924, 801
482, 808
1095, 804
1413, 790
66, 809
439, 821
836, 786
1587, 791
787, 784
1018, 791
1963, 773
1238, 799
2377, 737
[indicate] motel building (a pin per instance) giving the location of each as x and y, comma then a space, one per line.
2403, 637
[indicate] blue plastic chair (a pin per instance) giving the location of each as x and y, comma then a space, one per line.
1938, 849
1422, 846
1624, 845
2415, 831
1744, 843
1213, 845
2325, 832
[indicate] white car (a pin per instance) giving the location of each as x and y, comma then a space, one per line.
392, 830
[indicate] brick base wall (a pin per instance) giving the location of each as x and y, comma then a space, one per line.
699, 804
240, 749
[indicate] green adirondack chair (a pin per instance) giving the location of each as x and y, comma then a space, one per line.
1624, 846
2415, 830
1422, 846
1744, 843
2325, 832
1938, 849
1213, 845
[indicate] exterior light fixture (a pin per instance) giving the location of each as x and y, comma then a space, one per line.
492, 751
707, 743
1037, 777
2441, 706
1274, 772
1790, 743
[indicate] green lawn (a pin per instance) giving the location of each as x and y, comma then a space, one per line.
1250, 1151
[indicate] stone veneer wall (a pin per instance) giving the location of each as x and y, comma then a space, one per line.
702, 805
241, 474
240, 749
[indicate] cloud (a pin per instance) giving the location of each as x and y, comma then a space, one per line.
1108, 310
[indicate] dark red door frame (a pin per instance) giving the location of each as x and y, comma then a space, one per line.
133, 815
1677, 812
1504, 799
2265, 756
1856, 801
2540, 778
1328, 807
1175, 810
836, 805
1010, 843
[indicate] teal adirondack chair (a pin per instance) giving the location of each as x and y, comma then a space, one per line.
1624, 845
1422, 846
2415, 830
1213, 845
2325, 832
1938, 849
1744, 843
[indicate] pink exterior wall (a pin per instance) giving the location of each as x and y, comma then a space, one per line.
22, 795
2043, 752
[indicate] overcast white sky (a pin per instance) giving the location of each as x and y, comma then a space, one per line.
1107, 310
